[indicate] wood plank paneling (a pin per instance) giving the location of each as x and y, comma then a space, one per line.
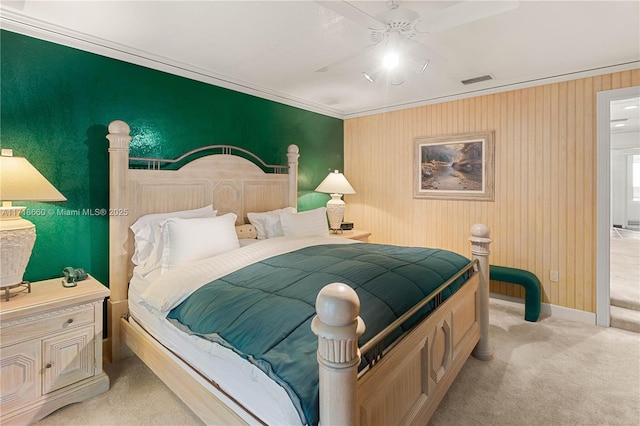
544, 214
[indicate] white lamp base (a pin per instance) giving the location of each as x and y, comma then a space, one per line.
335, 212
17, 237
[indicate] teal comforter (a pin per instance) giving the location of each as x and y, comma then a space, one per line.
264, 311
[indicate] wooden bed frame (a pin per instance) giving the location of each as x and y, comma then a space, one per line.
401, 386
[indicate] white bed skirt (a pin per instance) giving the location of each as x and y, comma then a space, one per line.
238, 378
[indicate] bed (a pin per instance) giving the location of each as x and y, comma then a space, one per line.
398, 376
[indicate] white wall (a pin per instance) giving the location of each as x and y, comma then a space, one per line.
633, 207
623, 210
618, 187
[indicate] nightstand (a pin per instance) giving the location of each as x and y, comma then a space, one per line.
354, 234
51, 349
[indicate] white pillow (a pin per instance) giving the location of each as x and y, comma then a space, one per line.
312, 223
147, 240
268, 223
187, 240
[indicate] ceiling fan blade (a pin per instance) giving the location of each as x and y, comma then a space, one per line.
354, 14
346, 59
462, 13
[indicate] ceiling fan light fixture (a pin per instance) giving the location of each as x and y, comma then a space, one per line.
423, 66
390, 60
396, 78
368, 76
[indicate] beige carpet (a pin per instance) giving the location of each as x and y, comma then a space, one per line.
552, 372
625, 268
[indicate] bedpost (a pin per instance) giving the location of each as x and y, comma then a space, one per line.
338, 326
480, 242
118, 233
292, 156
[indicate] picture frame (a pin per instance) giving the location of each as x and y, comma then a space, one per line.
455, 167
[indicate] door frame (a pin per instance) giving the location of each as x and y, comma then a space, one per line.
603, 211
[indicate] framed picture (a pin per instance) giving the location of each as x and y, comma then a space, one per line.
455, 167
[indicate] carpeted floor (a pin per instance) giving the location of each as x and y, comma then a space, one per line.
553, 372
625, 268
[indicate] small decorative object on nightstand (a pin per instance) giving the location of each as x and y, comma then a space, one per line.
346, 226
51, 349
354, 234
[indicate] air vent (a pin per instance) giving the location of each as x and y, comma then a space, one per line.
477, 79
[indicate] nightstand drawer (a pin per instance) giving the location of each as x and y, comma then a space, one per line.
47, 324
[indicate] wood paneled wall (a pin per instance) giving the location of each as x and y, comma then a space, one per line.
544, 214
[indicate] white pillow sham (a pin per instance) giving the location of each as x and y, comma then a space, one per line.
268, 223
312, 223
187, 240
147, 239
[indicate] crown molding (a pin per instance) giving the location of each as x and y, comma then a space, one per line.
504, 87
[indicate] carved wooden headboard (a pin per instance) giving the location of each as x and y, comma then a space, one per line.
230, 178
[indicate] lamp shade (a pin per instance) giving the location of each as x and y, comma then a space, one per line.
335, 183
20, 181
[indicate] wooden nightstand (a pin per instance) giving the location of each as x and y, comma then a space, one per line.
354, 234
51, 349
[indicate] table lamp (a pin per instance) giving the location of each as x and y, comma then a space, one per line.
19, 181
336, 185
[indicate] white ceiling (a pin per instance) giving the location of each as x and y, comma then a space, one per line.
273, 49
625, 118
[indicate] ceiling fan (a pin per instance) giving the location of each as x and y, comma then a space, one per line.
395, 33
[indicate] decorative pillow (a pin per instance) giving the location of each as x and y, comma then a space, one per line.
311, 223
246, 232
187, 240
268, 223
147, 239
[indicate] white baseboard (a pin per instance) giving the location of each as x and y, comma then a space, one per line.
547, 309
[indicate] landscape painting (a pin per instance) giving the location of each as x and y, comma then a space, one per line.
455, 167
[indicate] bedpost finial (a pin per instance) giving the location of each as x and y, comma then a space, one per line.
293, 149
337, 305
119, 127
338, 326
480, 230
119, 137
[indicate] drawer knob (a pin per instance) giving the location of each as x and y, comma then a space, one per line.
70, 320
48, 365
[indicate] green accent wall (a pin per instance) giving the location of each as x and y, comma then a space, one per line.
56, 103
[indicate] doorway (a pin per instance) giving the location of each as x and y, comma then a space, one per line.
605, 209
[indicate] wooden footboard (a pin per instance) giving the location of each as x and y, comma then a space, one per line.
406, 384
